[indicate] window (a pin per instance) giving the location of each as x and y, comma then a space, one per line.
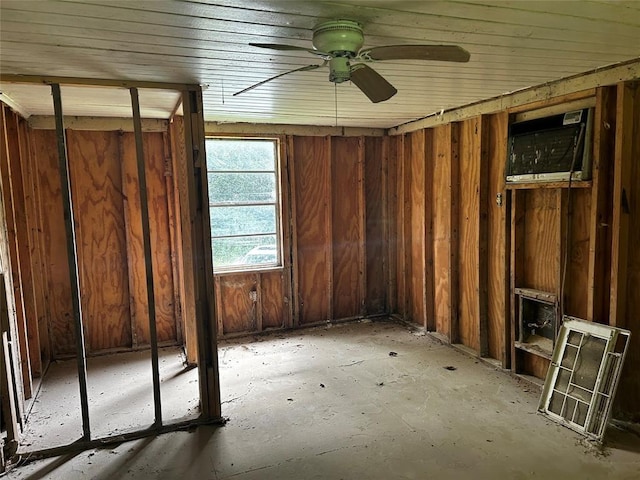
244, 203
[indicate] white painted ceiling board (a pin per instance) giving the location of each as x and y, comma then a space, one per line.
513, 45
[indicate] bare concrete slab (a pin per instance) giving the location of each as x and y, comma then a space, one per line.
336, 403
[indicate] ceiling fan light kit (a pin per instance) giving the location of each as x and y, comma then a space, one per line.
339, 42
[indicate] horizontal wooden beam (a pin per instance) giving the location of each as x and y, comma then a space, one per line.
101, 124
610, 75
96, 82
215, 128
15, 106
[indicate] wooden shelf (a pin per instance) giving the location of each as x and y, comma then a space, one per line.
537, 345
536, 185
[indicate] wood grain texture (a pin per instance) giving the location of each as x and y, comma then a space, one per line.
95, 185
238, 310
13, 208
376, 241
401, 233
417, 246
185, 279
274, 308
61, 327
311, 157
345, 226
497, 268
531, 364
444, 149
391, 152
21, 177
160, 238
577, 284
601, 201
541, 248
468, 254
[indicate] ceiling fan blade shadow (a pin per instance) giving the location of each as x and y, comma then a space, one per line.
372, 84
301, 69
287, 48
444, 53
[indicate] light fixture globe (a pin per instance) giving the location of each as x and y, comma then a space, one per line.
342, 38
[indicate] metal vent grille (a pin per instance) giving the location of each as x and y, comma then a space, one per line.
583, 375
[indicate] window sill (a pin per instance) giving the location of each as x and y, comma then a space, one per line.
247, 271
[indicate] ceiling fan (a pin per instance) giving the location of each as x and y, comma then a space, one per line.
339, 43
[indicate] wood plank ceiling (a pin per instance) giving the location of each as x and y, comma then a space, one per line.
513, 45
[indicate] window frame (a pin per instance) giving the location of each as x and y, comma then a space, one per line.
277, 150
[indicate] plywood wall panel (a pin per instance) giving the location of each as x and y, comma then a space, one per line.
417, 246
541, 248
160, 238
238, 309
61, 325
497, 272
345, 226
577, 282
274, 308
469, 218
96, 188
401, 230
376, 240
312, 168
441, 208
391, 144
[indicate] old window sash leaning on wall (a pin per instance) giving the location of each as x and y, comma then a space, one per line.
583, 376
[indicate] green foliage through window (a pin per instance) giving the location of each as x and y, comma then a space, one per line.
243, 203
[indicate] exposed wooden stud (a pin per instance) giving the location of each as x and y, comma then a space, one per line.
516, 256
454, 222
328, 228
622, 192
429, 289
384, 179
563, 240
183, 236
100, 124
202, 262
362, 222
391, 215
483, 233
292, 253
406, 236
218, 310
215, 128
51, 80
14, 217
72, 258
285, 232
173, 235
146, 239
600, 222
401, 233
7, 385
258, 301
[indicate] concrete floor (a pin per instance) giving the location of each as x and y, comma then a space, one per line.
332, 403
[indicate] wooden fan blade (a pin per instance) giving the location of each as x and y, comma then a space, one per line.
284, 48
301, 69
372, 84
444, 53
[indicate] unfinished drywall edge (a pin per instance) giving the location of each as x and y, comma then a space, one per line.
216, 128
620, 72
101, 124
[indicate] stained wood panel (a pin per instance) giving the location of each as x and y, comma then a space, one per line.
417, 245
541, 248
312, 167
401, 230
272, 294
445, 152
469, 219
155, 168
238, 309
376, 240
497, 268
55, 254
391, 144
577, 283
95, 184
345, 226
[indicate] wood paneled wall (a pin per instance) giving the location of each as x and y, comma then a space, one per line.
335, 241
464, 240
111, 263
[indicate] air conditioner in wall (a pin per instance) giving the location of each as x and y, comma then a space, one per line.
551, 148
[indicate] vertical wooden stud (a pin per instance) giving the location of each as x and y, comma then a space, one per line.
454, 222
293, 240
483, 233
72, 255
429, 302
362, 233
516, 256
